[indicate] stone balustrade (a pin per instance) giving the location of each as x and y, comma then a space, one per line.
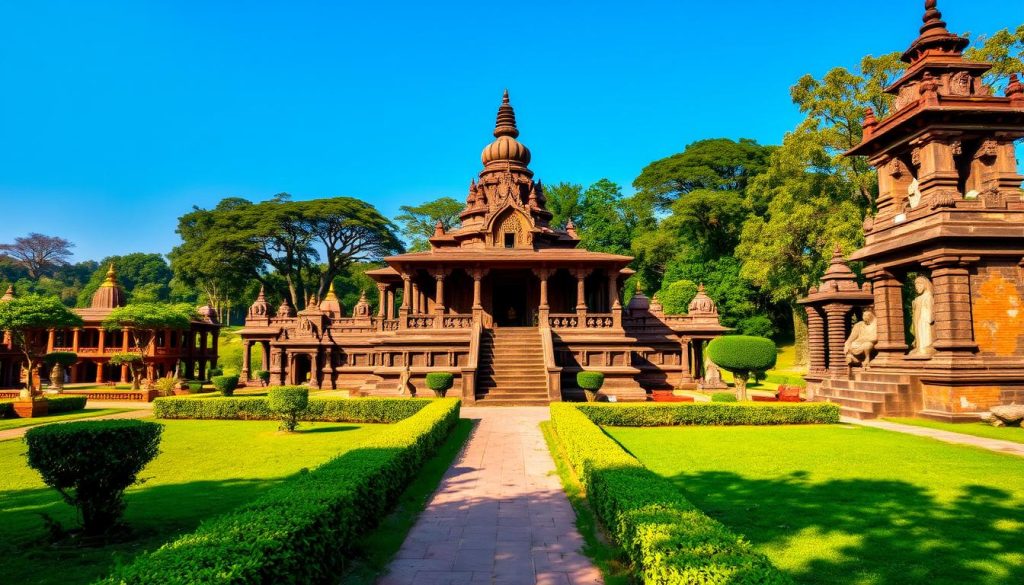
563, 320
457, 321
599, 321
420, 322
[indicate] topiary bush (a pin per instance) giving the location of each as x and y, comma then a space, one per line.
263, 376
195, 387
166, 385
288, 402
440, 382
741, 355
293, 533
91, 463
590, 383
225, 384
58, 404
213, 372
723, 397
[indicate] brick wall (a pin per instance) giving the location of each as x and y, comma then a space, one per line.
998, 310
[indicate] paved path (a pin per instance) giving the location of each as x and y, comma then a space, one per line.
948, 436
499, 516
139, 413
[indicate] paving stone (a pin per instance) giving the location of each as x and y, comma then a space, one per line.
499, 517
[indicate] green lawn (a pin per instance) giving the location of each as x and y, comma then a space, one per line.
1015, 434
851, 505
204, 468
14, 423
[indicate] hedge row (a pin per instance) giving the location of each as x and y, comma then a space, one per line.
55, 404
299, 531
666, 537
711, 413
369, 410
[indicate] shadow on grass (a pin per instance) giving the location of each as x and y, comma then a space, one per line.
154, 515
885, 532
332, 429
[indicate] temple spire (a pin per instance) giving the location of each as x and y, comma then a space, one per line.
506, 123
933, 23
9, 294
934, 37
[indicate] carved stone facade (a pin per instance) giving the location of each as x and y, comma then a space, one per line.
453, 308
195, 348
947, 240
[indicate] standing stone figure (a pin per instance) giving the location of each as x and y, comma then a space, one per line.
923, 318
862, 340
712, 376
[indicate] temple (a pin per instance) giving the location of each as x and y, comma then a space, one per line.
942, 334
507, 302
195, 348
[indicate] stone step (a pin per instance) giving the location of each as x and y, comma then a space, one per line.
857, 413
512, 378
506, 395
863, 376
891, 387
866, 405
484, 401
512, 387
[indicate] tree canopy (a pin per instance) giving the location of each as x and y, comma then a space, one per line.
143, 321
419, 221
40, 255
26, 319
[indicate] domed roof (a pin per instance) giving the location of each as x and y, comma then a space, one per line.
109, 295
505, 146
9, 295
702, 303
331, 305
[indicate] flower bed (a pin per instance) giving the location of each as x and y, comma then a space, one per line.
299, 532
711, 413
371, 410
668, 540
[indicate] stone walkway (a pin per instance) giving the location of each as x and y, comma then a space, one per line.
140, 412
499, 516
997, 445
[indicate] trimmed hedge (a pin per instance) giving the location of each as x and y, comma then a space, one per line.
225, 384
666, 537
711, 413
440, 382
57, 404
365, 410
6, 409
298, 532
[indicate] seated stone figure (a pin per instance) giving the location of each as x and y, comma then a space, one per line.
862, 340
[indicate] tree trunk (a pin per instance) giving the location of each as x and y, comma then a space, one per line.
740, 381
800, 338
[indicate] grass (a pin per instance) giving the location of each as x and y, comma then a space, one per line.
609, 558
376, 548
17, 423
851, 505
204, 468
977, 429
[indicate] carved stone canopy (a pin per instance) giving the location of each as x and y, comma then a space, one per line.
260, 308
702, 304
285, 310
9, 295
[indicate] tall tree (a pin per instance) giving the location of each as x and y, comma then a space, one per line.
26, 319
608, 221
564, 202
39, 254
142, 321
712, 164
419, 221
1004, 50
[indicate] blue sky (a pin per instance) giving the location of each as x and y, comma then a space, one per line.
117, 117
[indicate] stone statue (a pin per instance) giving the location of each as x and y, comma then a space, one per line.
923, 318
712, 376
862, 340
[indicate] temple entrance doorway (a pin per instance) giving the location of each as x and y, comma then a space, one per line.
513, 298
302, 367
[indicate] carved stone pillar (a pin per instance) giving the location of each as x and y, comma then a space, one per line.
403, 311
816, 340
246, 362
835, 316
390, 314
51, 336
478, 308
76, 339
544, 308
382, 300
417, 306
685, 372
265, 356
954, 325
888, 292
581, 296
614, 306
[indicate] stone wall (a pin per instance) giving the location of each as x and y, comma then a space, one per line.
998, 309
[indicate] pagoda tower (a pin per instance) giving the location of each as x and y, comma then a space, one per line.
945, 251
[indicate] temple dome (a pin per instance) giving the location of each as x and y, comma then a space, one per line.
505, 146
331, 304
702, 304
109, 295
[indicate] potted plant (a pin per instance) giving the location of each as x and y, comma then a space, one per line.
590, 383
440, 382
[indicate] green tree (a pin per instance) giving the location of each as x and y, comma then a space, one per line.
608, 221
419, 221
26, 320
675, 298
712, 164
1004, 50
563, 201
38, 254
144, 277
143, 321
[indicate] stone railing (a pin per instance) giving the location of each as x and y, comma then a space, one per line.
420, 322
389, 324
457, 321
63, 349
600, 321
563, 320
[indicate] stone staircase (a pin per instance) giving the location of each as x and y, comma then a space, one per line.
867, 395
511, 368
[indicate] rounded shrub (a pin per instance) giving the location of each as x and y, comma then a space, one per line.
723, 397
214, 371
263, 376
288, 402
741, 355
195, 387
590, 383
440, 382
225, 384
91, 463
